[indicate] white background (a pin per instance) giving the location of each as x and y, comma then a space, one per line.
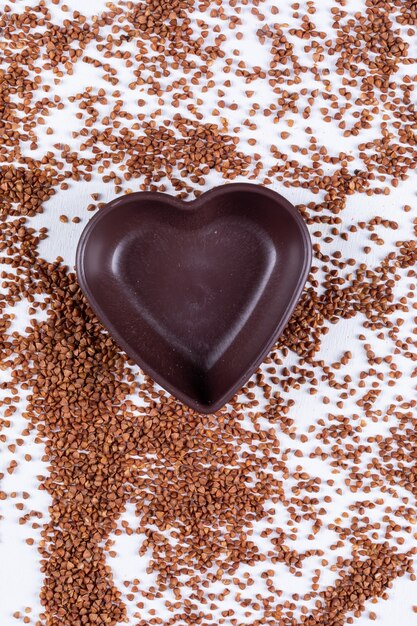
20, 578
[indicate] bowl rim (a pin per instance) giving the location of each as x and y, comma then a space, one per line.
193, 205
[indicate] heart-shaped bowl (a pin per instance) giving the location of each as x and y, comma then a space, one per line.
198, 292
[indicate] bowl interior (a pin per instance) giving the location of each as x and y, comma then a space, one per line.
196, 293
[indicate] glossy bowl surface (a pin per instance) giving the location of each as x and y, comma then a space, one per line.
196, 292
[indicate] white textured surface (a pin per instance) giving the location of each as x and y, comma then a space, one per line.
20, 578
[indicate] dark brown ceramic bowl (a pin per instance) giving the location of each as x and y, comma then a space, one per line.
196, 292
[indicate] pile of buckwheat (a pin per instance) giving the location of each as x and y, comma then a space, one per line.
274, 510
